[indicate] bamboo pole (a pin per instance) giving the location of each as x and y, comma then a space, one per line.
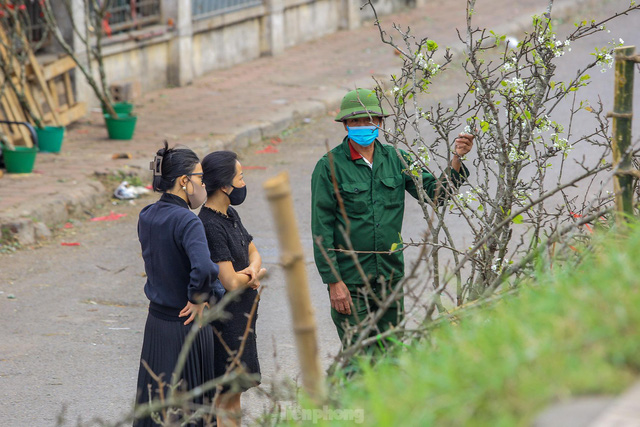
621, 129
292, 258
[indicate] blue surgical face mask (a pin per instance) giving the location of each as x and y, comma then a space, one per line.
363, 135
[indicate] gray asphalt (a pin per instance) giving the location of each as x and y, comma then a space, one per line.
72, 317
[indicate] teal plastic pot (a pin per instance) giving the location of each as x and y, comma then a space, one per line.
20, 159
120, 107
121, 127
50, 138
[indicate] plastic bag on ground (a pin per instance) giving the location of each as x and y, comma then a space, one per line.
127, 192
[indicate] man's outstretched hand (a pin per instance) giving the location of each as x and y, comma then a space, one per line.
462, 145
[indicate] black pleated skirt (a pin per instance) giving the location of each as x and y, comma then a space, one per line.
163, 339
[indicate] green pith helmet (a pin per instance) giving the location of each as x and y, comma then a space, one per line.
360, 103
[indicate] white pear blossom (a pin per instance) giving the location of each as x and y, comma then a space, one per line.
499, 264
515, 155
423, 155
542, 124
507, 66
465, 198
428, 65
605, 62
561, 144
515, 85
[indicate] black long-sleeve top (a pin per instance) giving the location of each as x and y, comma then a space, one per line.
175, 252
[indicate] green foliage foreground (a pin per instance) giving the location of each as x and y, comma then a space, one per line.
572, 331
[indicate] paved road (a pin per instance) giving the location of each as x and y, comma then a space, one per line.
72, 334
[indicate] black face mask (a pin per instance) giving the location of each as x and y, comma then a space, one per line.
237, 195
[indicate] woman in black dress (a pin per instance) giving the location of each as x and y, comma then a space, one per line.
180, 279
240, 266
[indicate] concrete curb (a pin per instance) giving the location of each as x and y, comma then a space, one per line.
30, 223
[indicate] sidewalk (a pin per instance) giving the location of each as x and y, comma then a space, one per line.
235, 107
595, 411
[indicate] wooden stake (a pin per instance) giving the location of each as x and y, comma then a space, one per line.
37, 70
621, 129
13, 112
53, 88
304, 325
68, 90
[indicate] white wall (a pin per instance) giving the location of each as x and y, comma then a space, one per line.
164, 55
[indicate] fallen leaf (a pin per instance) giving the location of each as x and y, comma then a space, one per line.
268, 149
111, 217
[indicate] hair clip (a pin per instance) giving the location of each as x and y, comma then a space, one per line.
156, 165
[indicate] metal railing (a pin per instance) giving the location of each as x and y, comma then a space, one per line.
37, 27
29, 126
132, 14
201, 9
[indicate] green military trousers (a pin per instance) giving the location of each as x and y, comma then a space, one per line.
362, 306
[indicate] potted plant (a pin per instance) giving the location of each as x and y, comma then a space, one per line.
120, 122
16, 48
18, 159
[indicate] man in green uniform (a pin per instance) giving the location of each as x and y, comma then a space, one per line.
371, 180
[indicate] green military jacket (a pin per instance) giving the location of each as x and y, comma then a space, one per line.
374, 202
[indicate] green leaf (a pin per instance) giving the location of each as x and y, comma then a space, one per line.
484, 126
431, 45
394, 246
395, 341
517, 219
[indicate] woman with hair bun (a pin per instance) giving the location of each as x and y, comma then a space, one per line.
180, 278
240, 266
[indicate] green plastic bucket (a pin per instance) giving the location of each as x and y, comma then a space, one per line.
122, 127
19, 160
50, 138
120, 107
